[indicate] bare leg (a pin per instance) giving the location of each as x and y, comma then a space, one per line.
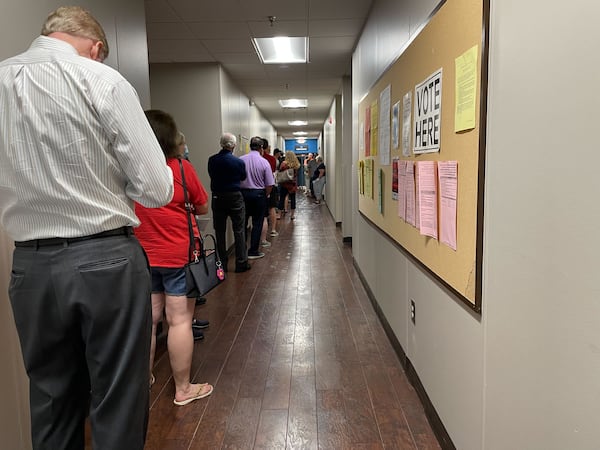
180, 343
265, 229
273, 219
158, 305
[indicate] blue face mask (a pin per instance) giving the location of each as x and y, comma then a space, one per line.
186, 152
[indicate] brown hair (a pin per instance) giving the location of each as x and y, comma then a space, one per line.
165, 130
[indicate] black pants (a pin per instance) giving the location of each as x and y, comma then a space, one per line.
83, 315
224, 205
256, 205
282, 195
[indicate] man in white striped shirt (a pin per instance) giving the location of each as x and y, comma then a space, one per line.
76, 151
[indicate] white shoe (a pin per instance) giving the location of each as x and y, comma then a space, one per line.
274, 233
265, 244
260, 255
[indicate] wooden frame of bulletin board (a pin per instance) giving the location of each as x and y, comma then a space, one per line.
456, 32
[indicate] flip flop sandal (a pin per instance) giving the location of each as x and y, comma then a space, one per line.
198, 396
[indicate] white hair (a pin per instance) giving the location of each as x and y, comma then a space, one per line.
228, 141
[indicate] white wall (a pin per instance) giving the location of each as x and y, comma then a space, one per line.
348, 173
21, 21
541, 303
332, 158
235, 107
525, 374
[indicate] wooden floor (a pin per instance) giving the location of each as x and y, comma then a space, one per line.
297, 356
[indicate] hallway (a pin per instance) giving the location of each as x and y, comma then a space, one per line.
297, 356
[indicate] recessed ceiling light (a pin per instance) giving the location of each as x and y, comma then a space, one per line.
297, 123
282, 49
294, 103
300, 133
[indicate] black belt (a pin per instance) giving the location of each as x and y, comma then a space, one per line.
123, 231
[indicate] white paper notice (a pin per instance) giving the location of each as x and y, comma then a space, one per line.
448, 178
428, 114
402, 189
427, 193
409, 185
384, 125
396, 125
406, 117
361, 138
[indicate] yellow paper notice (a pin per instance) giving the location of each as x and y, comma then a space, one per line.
466, 90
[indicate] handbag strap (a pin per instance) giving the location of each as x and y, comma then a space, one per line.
192, 251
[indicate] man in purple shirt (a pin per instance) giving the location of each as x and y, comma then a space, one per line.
256, 188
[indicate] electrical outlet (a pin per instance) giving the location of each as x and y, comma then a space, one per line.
413, 312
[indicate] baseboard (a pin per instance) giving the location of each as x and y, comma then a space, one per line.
432, 416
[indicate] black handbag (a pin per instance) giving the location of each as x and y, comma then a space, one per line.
204, 270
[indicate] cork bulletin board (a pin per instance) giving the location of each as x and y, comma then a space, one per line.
455, 28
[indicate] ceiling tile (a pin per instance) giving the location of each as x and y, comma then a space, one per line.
219, 30
298, 28
229, 45
168, 30
159, 11
332, 27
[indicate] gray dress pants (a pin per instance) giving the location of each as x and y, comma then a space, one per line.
83, 315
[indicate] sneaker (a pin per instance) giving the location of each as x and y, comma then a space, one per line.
198, 334
265, 244
257, 256
274, 233
199, 323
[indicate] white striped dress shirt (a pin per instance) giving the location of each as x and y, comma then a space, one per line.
75, 146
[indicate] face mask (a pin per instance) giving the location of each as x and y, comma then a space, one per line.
186, 152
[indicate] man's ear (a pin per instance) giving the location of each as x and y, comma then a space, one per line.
96, 52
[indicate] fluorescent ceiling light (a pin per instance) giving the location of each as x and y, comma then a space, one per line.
282, 50
300, 133
294, 103
297, 123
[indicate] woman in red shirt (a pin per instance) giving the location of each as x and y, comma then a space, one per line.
165, 237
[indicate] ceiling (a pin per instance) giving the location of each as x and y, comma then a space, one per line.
221, 31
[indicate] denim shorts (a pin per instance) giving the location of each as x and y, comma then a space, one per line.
170, 281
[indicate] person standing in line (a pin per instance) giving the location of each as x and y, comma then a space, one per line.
164, 234
289, 188
76, 151
311, 166
197, 324
255, 189
272, 200
319, 180
226, 173
279, 158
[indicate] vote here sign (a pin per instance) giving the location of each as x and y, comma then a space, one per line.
428, 114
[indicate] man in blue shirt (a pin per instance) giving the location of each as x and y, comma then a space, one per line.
255, 189
226, 172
